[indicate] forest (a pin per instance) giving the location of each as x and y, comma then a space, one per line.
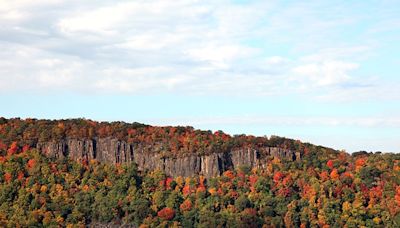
326, 188
169, 140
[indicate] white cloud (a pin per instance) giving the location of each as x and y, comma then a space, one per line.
220, 55
102, 20
275, 60
136, 17
31, 69
136, 80
185, 47
317, 51
21, 10
358, 52
13, 15
325, 73
152, 41
23, 4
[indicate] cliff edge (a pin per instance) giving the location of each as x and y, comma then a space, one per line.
114, 151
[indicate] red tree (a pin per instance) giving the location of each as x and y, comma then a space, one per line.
330, 164
7, 177
31, 163
186, 190
20, 175
25, 148
186, 205
334, 174
13, 148
278, 176
166, 213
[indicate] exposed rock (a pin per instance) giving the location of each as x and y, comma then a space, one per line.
211, 165
80, 149
53, 149
248, 157
112, 150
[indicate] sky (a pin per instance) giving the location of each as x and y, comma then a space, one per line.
325, 72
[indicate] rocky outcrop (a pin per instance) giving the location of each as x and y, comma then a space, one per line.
112, 150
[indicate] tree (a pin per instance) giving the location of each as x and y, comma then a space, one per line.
334, 174
242, 202
186, 205
330, 164
13, 148
166, 213
369, 175
138, 210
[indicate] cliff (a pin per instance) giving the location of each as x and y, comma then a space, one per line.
112, 150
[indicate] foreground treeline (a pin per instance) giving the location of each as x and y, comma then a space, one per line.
327, 190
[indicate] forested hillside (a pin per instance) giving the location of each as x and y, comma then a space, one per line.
171, 141
325, 188
176, 151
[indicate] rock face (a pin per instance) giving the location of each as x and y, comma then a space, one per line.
112, 150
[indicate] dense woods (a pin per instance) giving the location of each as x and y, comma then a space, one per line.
171, 141
326, 188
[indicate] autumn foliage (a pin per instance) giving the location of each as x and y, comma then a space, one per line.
278, 176
166, 213
330, 164
326, 188
8, 177
172, 141
31, 163
13, 148
186, 205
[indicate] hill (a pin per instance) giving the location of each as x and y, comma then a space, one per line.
177, 151
318, 187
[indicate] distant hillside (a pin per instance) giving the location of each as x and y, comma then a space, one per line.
177, 151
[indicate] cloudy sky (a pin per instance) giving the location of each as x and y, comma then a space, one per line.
326, 72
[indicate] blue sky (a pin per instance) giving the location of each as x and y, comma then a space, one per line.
320, 71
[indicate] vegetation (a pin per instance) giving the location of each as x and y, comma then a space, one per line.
324, 189
172, 141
